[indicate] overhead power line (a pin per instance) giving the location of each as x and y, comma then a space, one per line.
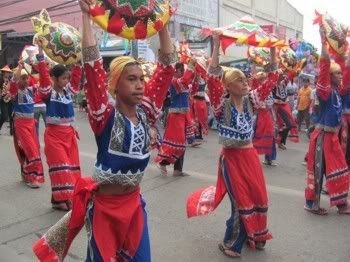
27, 16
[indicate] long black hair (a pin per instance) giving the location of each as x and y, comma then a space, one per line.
58, 70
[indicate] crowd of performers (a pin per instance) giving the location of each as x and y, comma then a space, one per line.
253, 115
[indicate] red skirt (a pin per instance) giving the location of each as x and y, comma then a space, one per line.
281, 123
61, 149
118, 222
190, 128
264, 132
179, 127
336, 169
344, 136
28, 150
200, 114
241, 175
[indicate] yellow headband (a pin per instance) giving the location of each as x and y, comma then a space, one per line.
260, 75
231, 74
334, 67
115, 70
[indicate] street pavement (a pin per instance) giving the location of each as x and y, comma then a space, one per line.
25, 214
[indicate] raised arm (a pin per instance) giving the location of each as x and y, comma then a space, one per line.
95, 86
345, 88
157, 88
215, 73
323, 87
74, 85
259, 94
195, 85
14, 82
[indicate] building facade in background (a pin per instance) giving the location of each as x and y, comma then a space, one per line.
191, 16
276, 16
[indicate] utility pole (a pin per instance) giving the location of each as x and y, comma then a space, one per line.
134, 49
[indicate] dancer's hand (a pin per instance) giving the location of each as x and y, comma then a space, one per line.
85, 5
324, 51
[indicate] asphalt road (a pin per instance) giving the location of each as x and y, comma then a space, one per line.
26, 213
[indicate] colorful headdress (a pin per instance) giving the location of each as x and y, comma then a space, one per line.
336, 33
202, 60
259, 55
6, 68
289, 61
304, 50
148, 69
132, 19
61, 42
246, 32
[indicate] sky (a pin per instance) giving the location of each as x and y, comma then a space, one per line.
339, 9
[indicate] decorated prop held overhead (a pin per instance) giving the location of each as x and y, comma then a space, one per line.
259, 55
289, 61
61, 42
29, 59
200, 56
336, 33
133, 19
245, 32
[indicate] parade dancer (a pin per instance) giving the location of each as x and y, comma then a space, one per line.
325, 156
239, 173
6, 106
284, 118
199, 109
110, 202
61, 147
25, 137
179, 124
264, 131
345, 123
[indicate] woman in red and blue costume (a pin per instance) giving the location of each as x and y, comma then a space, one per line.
326, 157
179, 124
284, 118
345, 126
57, 88
264, 131
199, 108
25, 137
239, 172
110, 202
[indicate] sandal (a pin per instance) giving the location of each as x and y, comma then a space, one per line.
260, 245
344, 210
228, 252
196, 144
320, 211
33, 185
269, 163
282, 146
63, 206
179, 174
